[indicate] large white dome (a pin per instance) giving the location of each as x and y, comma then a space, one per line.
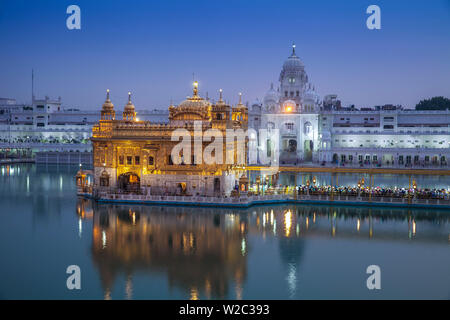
293, 63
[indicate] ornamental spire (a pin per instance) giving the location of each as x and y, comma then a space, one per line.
220, 95
129, 97
195, 88
240, 97
293, 49
107, 95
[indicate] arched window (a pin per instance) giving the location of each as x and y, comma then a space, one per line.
308, 128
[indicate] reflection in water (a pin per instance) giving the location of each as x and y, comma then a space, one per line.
201, 252
204, 253
268, 252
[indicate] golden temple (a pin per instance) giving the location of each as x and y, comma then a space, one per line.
132, 156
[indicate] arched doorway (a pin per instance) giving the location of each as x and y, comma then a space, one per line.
216, 185
129, 181
335, 158
308, 150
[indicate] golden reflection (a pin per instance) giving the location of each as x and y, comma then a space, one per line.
208, 289
287, 222
195, 249
204, 253
242, 227
194, 294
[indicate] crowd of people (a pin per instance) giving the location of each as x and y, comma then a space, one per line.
50, 140
362, 191
375, 192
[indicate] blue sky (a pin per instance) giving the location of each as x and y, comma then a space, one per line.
152, 48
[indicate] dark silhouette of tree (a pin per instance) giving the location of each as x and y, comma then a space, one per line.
435, 103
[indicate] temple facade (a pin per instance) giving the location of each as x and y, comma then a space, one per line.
313, 130
293, 109
168, 158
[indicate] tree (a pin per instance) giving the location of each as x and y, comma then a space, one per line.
435, 103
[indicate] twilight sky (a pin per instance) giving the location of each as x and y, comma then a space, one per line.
152, 48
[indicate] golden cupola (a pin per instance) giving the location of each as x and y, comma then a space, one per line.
108, 112
220, 110
129, 113
193, 108
240, 112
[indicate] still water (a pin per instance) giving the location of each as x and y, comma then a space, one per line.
269, 252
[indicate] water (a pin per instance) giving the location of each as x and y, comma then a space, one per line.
269, 252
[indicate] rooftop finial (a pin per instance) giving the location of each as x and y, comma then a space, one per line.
293, 49
107, 94
220, 95
129, 96
240, 97
195, 88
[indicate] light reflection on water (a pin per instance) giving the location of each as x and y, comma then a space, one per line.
267, 252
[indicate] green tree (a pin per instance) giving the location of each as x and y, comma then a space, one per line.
435, 103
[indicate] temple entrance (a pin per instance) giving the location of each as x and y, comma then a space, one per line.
216, 185
129, 182
308, 150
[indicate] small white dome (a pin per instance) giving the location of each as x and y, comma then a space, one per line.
271, 96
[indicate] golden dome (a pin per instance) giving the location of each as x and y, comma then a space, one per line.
107, 105
129, 106
193, 108
220, 102
129, 111
108, 112
195, 101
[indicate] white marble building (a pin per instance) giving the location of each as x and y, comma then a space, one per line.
293, 109
313, 132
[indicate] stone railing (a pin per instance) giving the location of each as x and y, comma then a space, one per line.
255, 199
375, 199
